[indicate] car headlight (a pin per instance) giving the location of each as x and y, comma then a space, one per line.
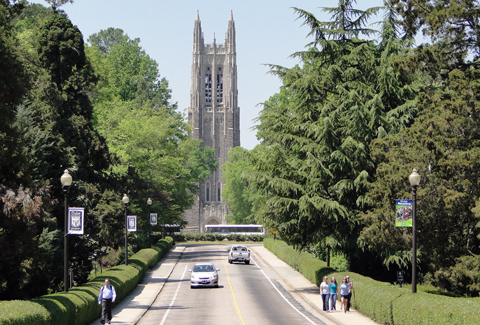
214, 276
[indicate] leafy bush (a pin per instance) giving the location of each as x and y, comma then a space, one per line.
384, 302
80, 303
311, 268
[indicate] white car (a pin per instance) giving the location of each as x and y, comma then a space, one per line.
239, 254
204, 275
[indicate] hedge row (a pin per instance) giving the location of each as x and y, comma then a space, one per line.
79, 305
312, 268
217, 237
384, 302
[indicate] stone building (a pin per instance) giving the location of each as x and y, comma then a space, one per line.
215, 118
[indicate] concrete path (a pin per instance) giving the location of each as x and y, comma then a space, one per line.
135, 305
310, 293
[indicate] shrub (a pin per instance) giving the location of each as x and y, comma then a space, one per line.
80, 303
384, 302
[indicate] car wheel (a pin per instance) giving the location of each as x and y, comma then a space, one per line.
230, 261
247, 262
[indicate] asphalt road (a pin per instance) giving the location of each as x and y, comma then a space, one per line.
247, 294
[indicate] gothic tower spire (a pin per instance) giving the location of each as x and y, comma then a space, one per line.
197, 35
215, 118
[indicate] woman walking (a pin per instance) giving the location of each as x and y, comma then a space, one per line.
325, 291
350, 284
344, 291
333, 294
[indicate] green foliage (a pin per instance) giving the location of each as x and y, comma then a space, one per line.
317, 131
80, 303
217, 237
453, 25
235, 191
443, 145
104, 40
311, 268
461, 278
26, 312
383, 302
243, 200
142, 128
423, 309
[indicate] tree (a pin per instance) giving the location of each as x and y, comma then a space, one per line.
453, 22
319, 128
141, 126
235, 191
443, 145
106, 39
12, 88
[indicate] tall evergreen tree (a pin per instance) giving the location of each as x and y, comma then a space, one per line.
319, 128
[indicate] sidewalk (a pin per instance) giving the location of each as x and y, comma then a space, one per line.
308, 291
135, 305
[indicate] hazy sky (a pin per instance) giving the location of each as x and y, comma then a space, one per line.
267, 33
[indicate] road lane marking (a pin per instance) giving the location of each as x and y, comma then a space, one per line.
233, 294
281, 294
173, 299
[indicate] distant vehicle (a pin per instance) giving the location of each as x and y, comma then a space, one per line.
239, 254
204, 275
235, 229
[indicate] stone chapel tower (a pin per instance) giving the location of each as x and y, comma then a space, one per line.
215, 118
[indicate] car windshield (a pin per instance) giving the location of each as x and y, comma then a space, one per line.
203, 268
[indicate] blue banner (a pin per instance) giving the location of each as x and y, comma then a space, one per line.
75, 221
132, 223
153, 219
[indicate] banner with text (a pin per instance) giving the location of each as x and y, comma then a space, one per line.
403, 213
132, 223
153, 219
75, 221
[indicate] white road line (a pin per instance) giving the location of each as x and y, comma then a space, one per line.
281, 294
173, 299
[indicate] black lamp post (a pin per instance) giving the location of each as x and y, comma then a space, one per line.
66, 181
414, 179
125, 201
149, 202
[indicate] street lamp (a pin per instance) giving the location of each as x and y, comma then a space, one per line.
66, 181
414, 179
125, 201
149, 202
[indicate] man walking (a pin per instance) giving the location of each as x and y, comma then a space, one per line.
107, 298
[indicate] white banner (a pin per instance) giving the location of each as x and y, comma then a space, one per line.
153, 219
132, 223
76, 221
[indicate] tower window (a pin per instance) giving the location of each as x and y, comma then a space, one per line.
220, 85
219, 192
208, 191
208, 86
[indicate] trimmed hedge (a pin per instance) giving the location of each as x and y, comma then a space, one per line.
217, 237
79, 305
384, 302
312, 268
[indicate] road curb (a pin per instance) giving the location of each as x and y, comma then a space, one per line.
181, 249
304, 298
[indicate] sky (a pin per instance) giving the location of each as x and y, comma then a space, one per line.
267, 32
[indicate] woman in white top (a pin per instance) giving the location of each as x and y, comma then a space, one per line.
325, 292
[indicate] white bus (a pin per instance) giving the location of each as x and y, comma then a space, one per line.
235, 229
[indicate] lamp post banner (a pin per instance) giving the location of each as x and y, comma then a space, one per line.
76, 221
153, 219
132, 223
403, 213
